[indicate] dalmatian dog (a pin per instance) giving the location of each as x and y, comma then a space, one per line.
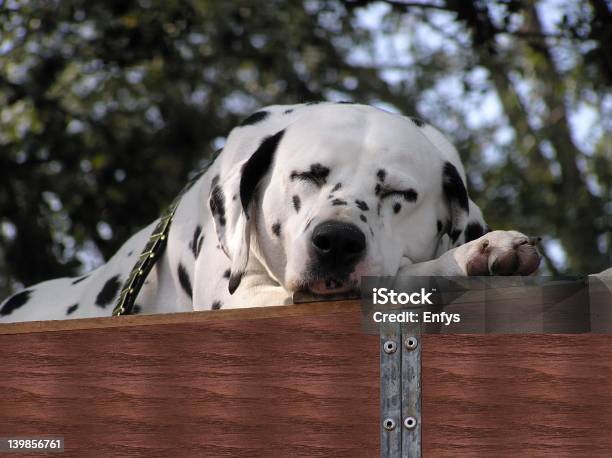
302, 198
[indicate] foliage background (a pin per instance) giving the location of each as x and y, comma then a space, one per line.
107, 107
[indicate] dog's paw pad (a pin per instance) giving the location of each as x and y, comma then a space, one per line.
503, 253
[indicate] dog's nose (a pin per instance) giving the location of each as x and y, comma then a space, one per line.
337, 244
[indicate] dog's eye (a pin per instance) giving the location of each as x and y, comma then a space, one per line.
308, 177
317, 175
409, 195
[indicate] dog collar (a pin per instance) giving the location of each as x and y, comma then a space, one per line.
153, 250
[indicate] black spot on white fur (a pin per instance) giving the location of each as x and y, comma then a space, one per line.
217, 201
363, 218
336, 187
362, 205
16, 301
256, 167
234, 281
296, 203
317, 175
216, 305
254, 118
397, 207
338, 202
473, 231
456, 195
276, 228
196, 243
381, 175
80, 279
454, 188
184, 280
290, 110
108, 292
227, 274
72, 309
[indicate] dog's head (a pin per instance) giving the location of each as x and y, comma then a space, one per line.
335, 193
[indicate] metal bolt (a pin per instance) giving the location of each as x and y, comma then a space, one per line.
410, 422
389, 424
389, 347
411, 343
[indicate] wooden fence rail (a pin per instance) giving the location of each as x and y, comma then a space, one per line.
299, 380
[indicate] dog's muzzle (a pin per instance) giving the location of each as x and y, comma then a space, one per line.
335, 249
337, 246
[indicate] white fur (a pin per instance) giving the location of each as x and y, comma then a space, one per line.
353, 141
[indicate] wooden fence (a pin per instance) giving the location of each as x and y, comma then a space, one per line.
299, 380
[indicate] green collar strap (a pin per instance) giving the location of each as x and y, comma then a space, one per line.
152, 250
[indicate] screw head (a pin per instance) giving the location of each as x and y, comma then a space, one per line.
410, 422
389, 347
411, 342
389, 424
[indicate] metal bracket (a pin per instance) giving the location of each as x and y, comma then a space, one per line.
400, 390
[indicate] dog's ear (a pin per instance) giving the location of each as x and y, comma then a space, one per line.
230, 202
458, 202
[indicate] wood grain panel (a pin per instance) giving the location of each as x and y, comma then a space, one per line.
294, 381
517, 395
286, 386
253, 313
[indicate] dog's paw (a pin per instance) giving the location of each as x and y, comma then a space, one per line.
501, 253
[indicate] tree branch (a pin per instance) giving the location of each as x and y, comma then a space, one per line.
431, 6
548, 261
